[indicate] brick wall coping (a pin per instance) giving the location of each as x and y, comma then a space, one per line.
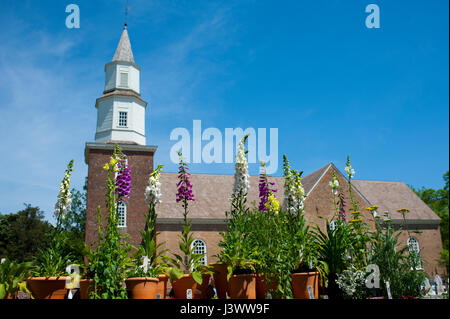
124, 147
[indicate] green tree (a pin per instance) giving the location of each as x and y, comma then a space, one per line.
74, 223
23, 234
438, 201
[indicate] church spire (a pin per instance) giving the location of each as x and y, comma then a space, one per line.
123, 52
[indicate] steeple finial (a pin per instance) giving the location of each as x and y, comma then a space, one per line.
126, 13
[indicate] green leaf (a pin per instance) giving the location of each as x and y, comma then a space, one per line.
197, 277
175, 274
2, 291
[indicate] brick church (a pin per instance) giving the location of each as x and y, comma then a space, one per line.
121, 120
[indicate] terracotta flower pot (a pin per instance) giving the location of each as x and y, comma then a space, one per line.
261, 286
85, 288
220, 279
142, 287
300, 283
48, 288
181, 286
242, 286
202, 290
161, 288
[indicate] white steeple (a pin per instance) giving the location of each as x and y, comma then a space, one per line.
121, 111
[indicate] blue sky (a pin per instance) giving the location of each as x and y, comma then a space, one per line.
312, 69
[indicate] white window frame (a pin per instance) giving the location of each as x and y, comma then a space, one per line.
124, 212
119, 119
201, 246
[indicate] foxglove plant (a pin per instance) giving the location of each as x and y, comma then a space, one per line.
153, 190
123, 179
241, 176
110, 261
64, 197
149, 260
53, 261
190, 260
294, 193
341, 204
334, 184
241, 181
350, 173
264, 189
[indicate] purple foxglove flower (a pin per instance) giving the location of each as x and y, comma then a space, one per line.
123, 181
184, 192
264, 190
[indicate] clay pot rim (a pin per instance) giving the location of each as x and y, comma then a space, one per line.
241, 275
305, 273
142, 279
48, 278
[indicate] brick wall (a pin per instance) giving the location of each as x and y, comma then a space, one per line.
141, 165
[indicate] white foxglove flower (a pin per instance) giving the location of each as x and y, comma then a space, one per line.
334, 184
294, 192
241, 176
350, 171
64, 200
153, 190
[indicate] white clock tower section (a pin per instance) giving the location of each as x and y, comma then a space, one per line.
121, 111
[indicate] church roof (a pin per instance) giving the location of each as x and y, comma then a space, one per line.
212, 196
123, 52
390, 196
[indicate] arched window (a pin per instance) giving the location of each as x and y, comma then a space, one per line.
199, 247
414, 250
122, 214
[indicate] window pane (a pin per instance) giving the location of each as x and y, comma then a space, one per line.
200, 248
123, 117
124, 79
122, 214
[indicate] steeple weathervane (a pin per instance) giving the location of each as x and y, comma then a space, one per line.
127, 8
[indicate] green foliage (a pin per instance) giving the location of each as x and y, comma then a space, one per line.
24, 234
333, 248
397, 266
73, 224
12, 277
189, 263
438, 201
109, 261
237, 251
283, 244
54, 260
157, 260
